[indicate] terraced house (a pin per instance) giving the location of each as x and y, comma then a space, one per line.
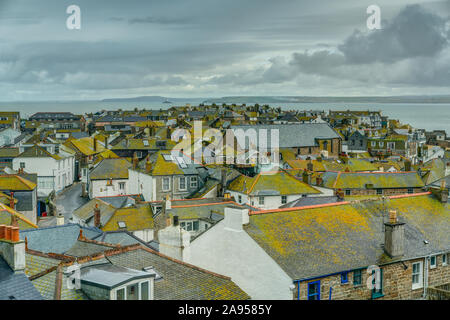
329, 251
370, 183
109, 178
269, 190
166, 173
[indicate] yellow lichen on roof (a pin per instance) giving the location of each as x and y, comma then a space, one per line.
14, 182
23, 222
139, 218
283, 229
164, 167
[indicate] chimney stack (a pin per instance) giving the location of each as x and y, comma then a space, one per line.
135, 161
394, 236
59, 219
174, 242
95, 144
407, 165
310, 166
97, 216
148, 165
12, 249
11, 200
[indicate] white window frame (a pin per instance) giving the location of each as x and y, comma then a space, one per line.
149, 289
179, 183
193, 182
444, 259
261, 200
434, 265
239, 198
419, 284
121, 185
285, 199
164, 179
373, 143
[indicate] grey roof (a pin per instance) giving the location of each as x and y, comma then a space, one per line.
310, 201
122, 237
15, 285
118, 201
54, 115
79, 134
294, 135
110, 276
83, 248
57, 239
179, 280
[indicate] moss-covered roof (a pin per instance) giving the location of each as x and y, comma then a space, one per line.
115, 168
368, 180
135, 218
271, 183
16, 182
317, 241
23, 222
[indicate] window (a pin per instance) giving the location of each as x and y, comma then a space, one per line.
121, 185
189, 226
410, 190
314, 290
139, 154
261, 201
325, 145
194, 182
379, 191
373, 143
347, 192
344, 277
357, 277
132, 292
417, 275
145, 290
166, 184
22, 165
120, 294
283, 199
381, 144
377, 292
195, 226
239, 199
182, 182
183, 225
432, 262
444, 259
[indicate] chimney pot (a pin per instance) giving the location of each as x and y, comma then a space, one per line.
8, 233
392, 216
15, 234
2, 231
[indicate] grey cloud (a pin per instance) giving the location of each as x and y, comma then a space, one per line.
414, 32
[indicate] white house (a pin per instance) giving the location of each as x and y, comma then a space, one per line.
269, 190
109, 178
54, 166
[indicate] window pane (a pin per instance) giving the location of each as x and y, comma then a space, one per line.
132, 292
120, 294
144, 291
195, 226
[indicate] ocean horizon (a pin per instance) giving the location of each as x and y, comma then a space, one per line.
429, 116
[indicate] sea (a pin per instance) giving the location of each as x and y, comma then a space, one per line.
429, 116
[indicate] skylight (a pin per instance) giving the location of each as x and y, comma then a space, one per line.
122, 224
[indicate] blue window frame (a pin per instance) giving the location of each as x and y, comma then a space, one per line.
314, 290
344, 277
357, 277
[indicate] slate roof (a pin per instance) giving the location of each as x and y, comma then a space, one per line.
15, 182
86, 211
57, 239
15, 285
5, 218
120, 237
363, 180
9, 152
180, 281
38, 152
313, 242
295, 135
138, 217
116, 168
84, 248
310, 201
270, 184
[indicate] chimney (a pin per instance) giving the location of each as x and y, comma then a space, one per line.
95, 144
310, 166
175, 220
12, 249
306, 176
394, 236
407, 165
174, 242
11, 200
59, 219
148, 165
97, 216
235, 218
135, 161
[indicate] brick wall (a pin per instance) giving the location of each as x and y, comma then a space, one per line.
397, 283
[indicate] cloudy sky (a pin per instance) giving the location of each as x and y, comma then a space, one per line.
213, 48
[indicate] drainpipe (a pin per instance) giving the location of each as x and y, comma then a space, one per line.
331, 291
425, 276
